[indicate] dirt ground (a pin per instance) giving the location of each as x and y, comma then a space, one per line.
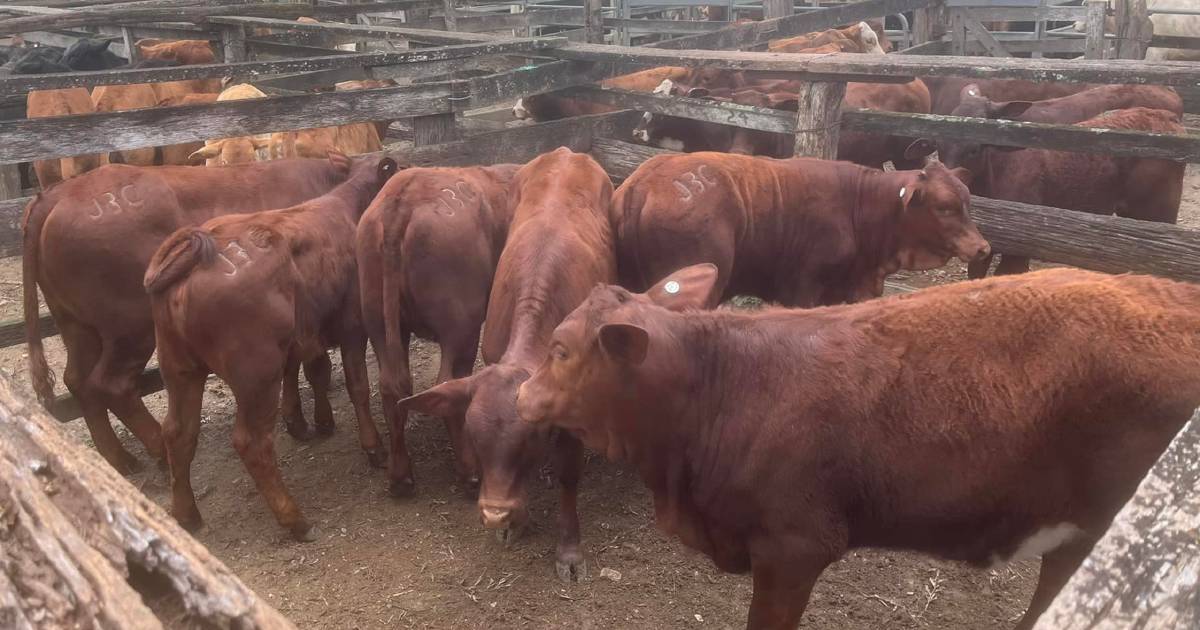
426, 562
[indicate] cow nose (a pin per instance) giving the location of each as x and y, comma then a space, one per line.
984, 251
495, 518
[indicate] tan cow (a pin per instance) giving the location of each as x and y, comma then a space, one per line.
64, 102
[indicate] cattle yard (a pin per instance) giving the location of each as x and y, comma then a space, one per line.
381, 562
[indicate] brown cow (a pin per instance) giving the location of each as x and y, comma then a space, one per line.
427, 251
351, 139
62, 102
945, 91
87, 244
118, 98
858, 38
1137, 188
801, 232
978, 421
184, 51
245, 297
1072, 108
559, 245
179, 154
545, 107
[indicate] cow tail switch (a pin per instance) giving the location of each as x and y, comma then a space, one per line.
176, 258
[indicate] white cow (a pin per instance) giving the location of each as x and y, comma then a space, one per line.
1167, 25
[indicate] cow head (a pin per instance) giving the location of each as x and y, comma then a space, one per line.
509, 452
230, 151
586, 381
91, 54
935, 225
869, 40
974, 104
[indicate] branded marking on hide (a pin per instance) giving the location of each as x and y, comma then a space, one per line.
693, 183
235, 256
126, 198
452, 200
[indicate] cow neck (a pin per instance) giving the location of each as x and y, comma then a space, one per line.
875, 215
355, 194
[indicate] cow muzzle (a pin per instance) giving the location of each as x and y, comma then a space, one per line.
973, 248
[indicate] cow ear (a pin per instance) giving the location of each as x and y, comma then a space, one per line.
337, 159
911, 191
447, 400
688, 288
920, 148
963, 175
624, 343
1009, 110
207, 152
970, 90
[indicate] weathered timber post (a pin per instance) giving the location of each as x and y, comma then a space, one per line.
10, 181
1145, 572
817, 119
625, 12
929, 24
593, 21
86, 529
958, 32
1134, 29
450, 15
233, 42
1094, 44
434, 129
131, 52
776, 8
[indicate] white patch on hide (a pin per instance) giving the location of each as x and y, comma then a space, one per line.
1041, 542
671, 144
519, 111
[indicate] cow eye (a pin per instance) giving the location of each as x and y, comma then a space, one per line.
559, 353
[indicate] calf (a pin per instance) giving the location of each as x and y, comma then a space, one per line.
427, 251
239, 150
545, 107
87, 244
1072, 108
1137, 188
859, 38
62, 102
244, 297
90, 55
801, 232
776, 441
945, 92
351, 139
559, 245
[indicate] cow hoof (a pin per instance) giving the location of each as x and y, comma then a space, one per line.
571, 567
298, 430
402, 488
303, 532
325, 429
508, 535
191, 522
377, 457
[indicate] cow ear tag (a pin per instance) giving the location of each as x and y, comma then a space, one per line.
671, 287
903, 189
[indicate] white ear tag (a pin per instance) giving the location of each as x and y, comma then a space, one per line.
902, 190
671, 287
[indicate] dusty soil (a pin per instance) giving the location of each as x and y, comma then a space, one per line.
426, 563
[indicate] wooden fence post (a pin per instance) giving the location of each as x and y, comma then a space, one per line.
1094, 45
776, 8
817, 119
450, 16
233, 42
625, 12
1133, 29
10, 181
929, 24
593, 21
958, 32
434, 129
131, 52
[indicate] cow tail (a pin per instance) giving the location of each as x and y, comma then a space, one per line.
39, 371
392, 295
177, 256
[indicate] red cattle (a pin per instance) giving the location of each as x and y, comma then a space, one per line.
544, 107
857, 38
946, 91
559, 245
87, 244
1137, 188
775, 441
427, 251
1072, 108
62, 102
184, 51
247, 296
801, 232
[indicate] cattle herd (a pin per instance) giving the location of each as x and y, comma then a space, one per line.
980, 421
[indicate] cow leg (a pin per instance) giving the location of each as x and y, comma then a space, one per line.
782, 586
319, 372
181, 431
84, 349
121, 363
289, 405
253, 433
977, 269
458, 359
354, 365
568, 463
395, 382
1010, 265
1057, 568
